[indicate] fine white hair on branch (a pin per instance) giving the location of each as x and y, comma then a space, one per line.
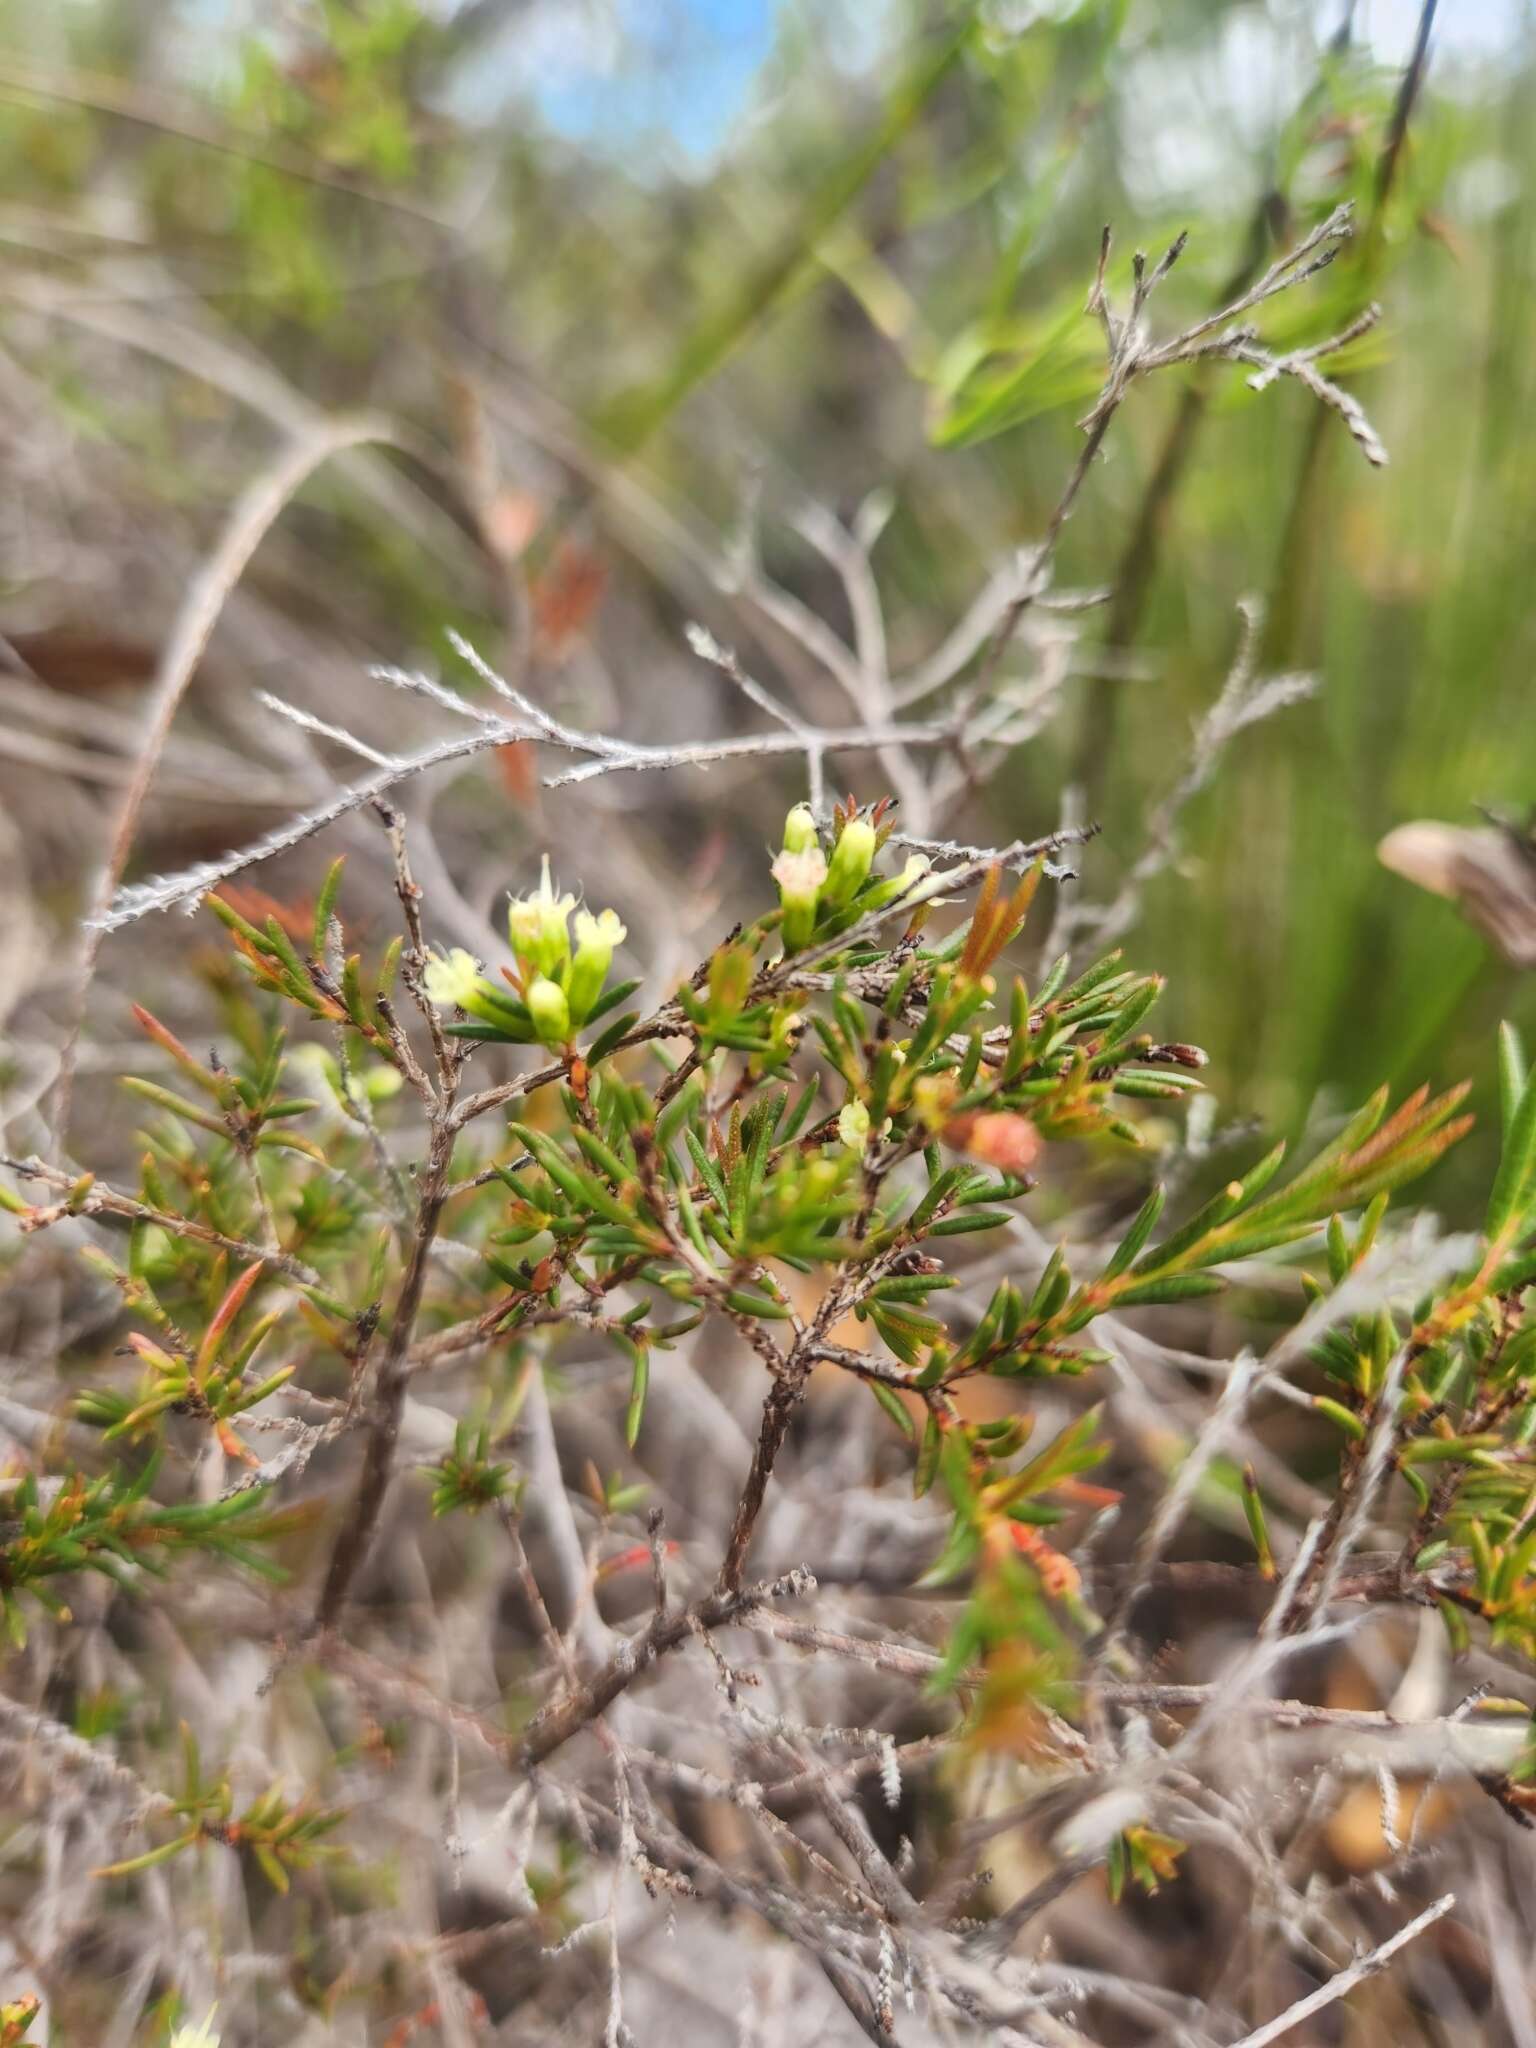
185, 888
606, 756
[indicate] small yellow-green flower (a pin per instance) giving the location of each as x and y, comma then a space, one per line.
555, 989
537, 926
853, 1125
799, 876
851, 858
453, 983
457, 983
596, 938
898, 885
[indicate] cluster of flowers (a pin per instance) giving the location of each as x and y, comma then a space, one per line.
556, 986
815, 892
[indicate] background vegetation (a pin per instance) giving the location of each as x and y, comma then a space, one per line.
713, 369
667, 259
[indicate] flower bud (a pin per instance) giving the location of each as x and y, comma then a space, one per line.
550, 1011
596, 938
800, 834
851, 858
998, 1137
799, 876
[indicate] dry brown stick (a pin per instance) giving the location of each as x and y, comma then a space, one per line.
1367, 1465
450, 1054
780, 1797
556, 1648
786, 1913
999, 1934
389, 1391
605, 755
1170, 1698
578, 1708
1132, 580
1130, 355
1008, 625
784, 1795
388, 1404
1134, 570
791, 1372
969, 1987
32, 1730
407, 1694
778, 1409
666, 1850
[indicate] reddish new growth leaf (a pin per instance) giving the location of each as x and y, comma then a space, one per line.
297, 917
632, 1559
1058, 1575
223, 1316
995, 923
565, 597
517, 765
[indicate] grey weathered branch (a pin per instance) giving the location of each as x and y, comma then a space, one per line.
605, 757
1339, 1986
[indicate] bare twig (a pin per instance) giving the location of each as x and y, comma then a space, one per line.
1369, 1965
98, 1200
1132, 355
585, 1702
1245, 700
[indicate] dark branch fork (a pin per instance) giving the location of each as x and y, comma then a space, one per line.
387, 1402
